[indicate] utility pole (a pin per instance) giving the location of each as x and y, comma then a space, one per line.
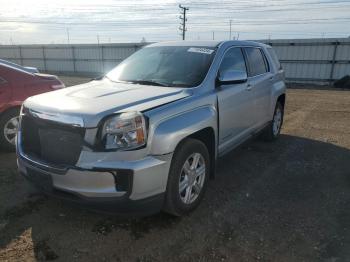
213, 35
230, 29
183, 21
67, 29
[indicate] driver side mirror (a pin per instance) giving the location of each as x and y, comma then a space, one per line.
232, 77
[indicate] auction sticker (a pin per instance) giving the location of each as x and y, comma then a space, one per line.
200, 50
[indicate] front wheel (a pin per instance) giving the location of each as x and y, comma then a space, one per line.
272, 131
188, 177
9, 122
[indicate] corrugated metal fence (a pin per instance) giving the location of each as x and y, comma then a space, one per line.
304, 60
314, 60
81, 59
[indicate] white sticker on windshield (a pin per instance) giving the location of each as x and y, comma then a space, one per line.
200, 50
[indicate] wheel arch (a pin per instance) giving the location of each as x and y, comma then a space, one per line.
200, 124
8, 109
207, 137
282, 99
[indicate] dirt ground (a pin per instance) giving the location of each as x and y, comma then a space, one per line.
283, 201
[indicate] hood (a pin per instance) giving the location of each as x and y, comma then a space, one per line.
94, 100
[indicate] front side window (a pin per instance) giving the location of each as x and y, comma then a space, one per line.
257, 64
233, 61
181, 66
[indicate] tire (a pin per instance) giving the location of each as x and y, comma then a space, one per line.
273, 129
7, 122
180, 202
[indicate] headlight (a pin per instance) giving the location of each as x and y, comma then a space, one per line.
125, 131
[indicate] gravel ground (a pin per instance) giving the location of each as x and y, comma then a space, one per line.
283, 201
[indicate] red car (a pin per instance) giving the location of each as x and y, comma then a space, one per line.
16, 84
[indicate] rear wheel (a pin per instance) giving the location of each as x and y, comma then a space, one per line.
9, 122
274, 128
188, 177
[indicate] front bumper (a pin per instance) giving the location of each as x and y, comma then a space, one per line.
119, 186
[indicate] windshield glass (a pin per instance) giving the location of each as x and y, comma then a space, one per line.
183, 66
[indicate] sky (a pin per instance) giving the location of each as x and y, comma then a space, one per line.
115, 21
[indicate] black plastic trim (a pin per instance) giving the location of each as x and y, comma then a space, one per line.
114, 205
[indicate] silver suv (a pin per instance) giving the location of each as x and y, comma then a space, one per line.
146, 137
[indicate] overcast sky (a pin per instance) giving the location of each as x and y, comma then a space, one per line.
86, 21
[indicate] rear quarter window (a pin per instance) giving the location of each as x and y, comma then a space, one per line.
274, 58
257, 62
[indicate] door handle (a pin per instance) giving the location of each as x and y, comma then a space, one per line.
249, 87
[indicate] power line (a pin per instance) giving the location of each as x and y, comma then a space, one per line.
184, 20
206, 16
158, 24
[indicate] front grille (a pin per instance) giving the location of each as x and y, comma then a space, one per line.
50, 142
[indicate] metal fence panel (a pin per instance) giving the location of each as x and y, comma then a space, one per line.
59, 66
87, 52
94, 67
58, 53
343, 52
313, 60
304, 60
38, 63
30, 53
9, 53
341, 70
118, 53
307, 71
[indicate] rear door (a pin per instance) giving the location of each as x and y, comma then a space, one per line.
260, 79
236, 108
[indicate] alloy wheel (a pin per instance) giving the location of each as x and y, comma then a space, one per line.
277, 121
10, 130
192, 178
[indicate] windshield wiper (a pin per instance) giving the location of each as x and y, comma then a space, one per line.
143, 82
147, 82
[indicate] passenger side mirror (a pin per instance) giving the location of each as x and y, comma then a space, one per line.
232, 77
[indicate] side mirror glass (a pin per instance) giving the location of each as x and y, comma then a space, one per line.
232, 77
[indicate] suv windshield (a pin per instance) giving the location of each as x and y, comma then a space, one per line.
184, 66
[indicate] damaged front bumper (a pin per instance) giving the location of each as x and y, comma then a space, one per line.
136, 186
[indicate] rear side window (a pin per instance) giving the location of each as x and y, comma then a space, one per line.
274, 57
256, 60
233, 60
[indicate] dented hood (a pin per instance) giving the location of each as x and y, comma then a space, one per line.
94, 100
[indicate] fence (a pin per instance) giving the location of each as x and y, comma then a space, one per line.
304, 60
314, 60
82, 59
